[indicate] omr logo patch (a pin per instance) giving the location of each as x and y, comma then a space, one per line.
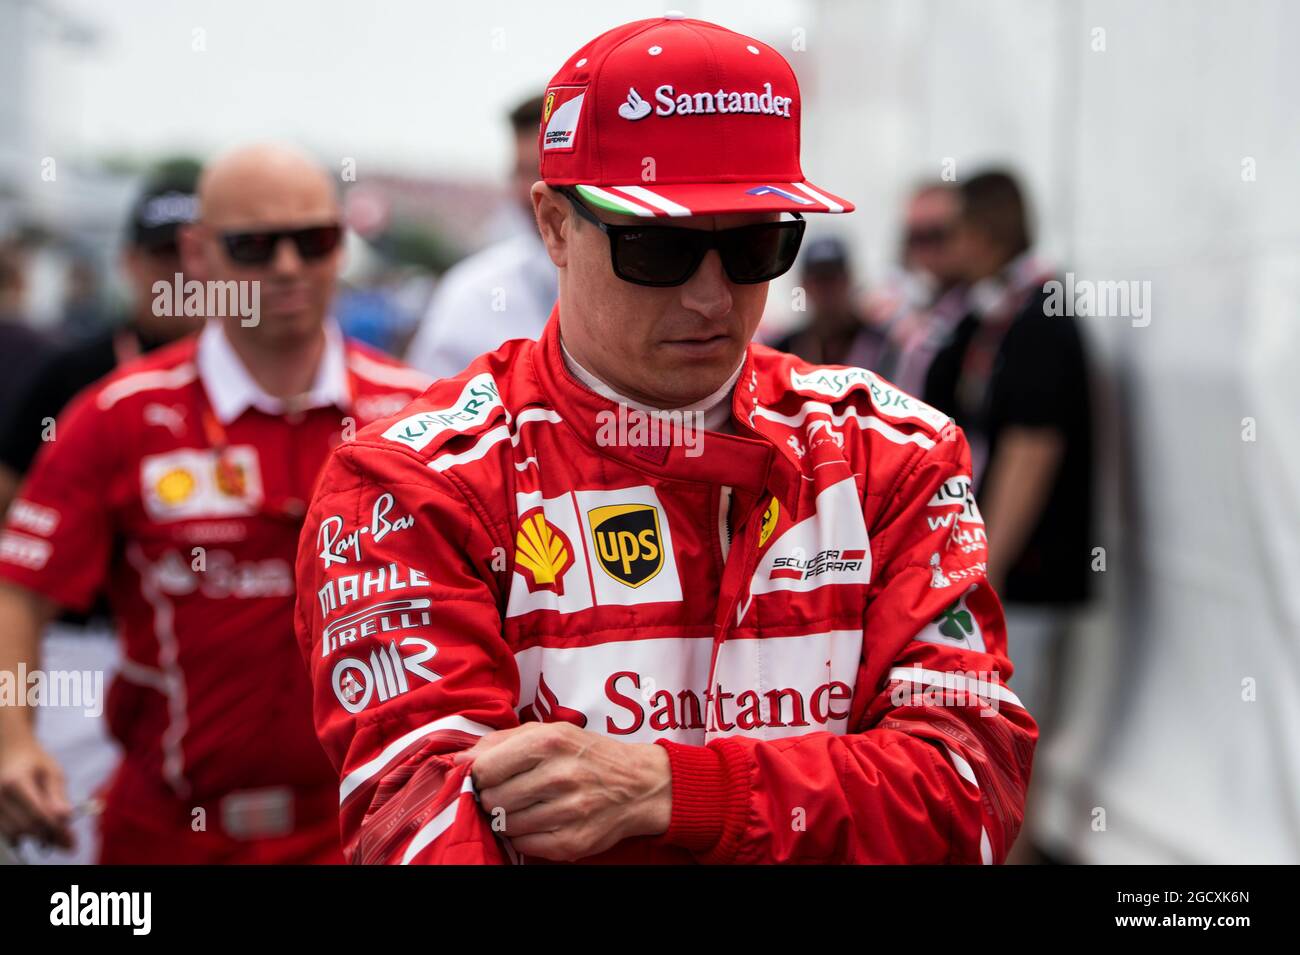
629, 544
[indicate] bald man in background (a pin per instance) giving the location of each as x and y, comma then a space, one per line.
178, 486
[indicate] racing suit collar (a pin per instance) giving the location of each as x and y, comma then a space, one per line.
716, 408
744, 460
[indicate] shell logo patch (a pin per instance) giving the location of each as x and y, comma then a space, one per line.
198, 483
544, 551
175, 486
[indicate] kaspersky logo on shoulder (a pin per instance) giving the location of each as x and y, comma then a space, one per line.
476, 402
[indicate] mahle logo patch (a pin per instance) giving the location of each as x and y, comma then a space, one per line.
629, 545
543, 550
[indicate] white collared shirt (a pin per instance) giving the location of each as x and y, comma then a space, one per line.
504, 291
231, 390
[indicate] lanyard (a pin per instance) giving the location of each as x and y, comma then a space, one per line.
230, 478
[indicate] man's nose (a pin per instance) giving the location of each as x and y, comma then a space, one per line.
708, 291
286, 260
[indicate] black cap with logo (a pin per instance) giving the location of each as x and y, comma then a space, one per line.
167, 201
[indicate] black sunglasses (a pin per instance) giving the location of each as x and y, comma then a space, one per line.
662, 256
927, 236
258, 248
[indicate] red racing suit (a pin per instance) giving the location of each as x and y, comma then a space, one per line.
798, 612
190, 524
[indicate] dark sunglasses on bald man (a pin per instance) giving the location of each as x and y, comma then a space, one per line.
663, 256
258, 248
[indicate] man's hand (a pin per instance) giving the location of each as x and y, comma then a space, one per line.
33, 798
566, 793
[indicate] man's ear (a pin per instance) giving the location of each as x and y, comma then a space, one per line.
552, 213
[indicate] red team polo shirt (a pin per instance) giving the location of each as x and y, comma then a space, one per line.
178, 487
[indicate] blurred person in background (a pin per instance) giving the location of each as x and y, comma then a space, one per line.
837, 331
166, 202
928, 298
24, 348
82, 311
178, 484
1015, 380
84, 641
502, 292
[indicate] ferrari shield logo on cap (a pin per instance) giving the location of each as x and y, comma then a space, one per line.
561, 111
629, 545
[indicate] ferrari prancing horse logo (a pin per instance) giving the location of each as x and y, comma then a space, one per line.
629, 544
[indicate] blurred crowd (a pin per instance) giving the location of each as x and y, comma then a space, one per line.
959, 324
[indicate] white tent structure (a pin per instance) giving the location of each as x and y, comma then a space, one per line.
1161, 143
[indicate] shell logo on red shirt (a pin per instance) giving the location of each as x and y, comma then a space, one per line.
196, 483
544, 551
175, 486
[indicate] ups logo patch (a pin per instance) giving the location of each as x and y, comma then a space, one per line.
629, 545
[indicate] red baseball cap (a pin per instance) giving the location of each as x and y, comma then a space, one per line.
678, 117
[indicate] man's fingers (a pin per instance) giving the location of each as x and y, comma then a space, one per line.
20, 807
518, 751
544, 782
11, 827
485, 743
61, 836
542, 817
541, 845
563, 845
52, 793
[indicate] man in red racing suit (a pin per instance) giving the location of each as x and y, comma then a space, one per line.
799, 615
642, 591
